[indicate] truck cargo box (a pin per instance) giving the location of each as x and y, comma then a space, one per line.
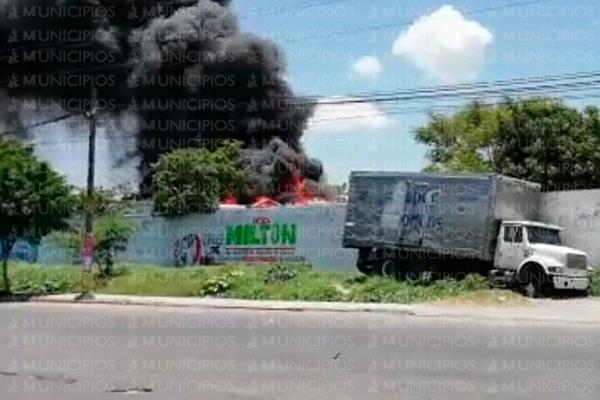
446, 214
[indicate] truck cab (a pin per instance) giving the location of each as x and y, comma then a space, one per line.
531, 255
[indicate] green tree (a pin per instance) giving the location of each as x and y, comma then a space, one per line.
464, 141
112, 234
194, 180
538, 139
103, 202
34, 199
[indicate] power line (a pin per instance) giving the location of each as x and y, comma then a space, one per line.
449, 107
490, 92
551, 84
538, 91
358, 97
41, 123
482, 84
402, 110
481, 88
405, 23
300, 6
52, 120
426, 91
385, 113
437, 108
543, 89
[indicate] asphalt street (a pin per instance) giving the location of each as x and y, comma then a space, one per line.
107, 352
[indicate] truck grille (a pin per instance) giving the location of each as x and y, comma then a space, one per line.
576, 261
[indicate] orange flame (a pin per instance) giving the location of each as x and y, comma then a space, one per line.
230, 199
265, 202
296, 186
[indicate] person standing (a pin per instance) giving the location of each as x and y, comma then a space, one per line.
88, 249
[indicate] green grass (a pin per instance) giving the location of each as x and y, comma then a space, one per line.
265, 282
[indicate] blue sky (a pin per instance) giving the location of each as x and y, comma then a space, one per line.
552, 37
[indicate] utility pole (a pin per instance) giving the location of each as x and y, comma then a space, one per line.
545, 181
88, 245
91, 116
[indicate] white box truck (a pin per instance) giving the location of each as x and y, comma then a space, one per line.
416, 226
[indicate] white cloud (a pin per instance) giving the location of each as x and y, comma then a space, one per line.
368, 67
445, 45
343, 117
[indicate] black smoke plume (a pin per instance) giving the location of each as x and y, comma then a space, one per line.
182, 68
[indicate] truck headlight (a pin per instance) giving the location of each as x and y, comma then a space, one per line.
555, 270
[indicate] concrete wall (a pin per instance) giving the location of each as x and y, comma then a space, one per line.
578, 212
312, 233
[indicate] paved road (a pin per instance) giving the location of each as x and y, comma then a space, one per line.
107, 352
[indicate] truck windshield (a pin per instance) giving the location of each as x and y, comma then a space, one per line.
538, 234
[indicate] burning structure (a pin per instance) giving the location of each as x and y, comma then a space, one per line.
179, 71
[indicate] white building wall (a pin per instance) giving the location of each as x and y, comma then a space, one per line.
578, 212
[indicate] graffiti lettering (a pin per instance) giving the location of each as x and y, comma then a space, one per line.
194, 249
261, 234
188, 250
419, 205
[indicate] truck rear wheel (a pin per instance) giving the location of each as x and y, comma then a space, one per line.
366, 261
417, 273
388, 268
367, 269
421, 270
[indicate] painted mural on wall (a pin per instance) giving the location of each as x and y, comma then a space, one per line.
260, 240
188, 251
24, 251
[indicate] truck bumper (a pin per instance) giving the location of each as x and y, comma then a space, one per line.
571, 282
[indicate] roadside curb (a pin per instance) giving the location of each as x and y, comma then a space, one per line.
534, 313
234, 304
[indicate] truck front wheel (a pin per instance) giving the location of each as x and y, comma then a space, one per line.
534, 281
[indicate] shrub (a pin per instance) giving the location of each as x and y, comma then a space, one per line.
113, 234
280, 273
50, 286
219, 285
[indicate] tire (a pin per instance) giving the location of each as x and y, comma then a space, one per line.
415, 272
388, 268
535, 282
366, 262
365, 268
